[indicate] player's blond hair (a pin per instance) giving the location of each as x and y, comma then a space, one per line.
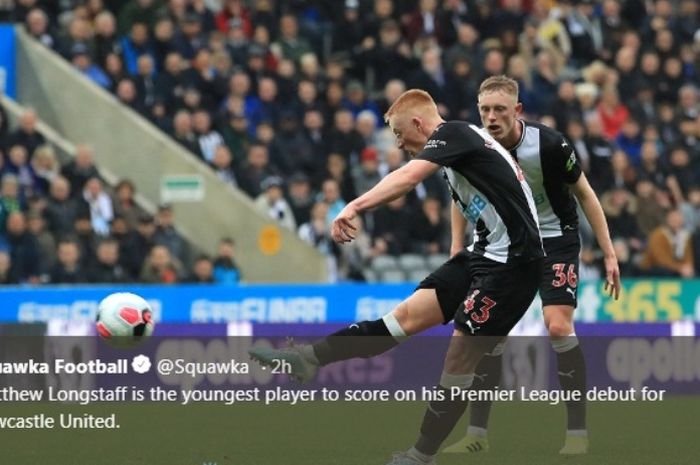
418, 101
500, 83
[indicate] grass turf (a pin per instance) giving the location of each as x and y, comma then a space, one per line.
634, 433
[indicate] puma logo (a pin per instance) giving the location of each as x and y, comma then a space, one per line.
471, 326
569, 374
571, 291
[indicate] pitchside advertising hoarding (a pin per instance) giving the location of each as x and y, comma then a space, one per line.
640, 301
7, 60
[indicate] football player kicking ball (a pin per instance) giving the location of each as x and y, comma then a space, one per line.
553, 173
499, 272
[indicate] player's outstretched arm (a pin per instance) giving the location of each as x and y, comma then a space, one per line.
596, 217
393, 186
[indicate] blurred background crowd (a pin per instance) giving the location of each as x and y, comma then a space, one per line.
284, 100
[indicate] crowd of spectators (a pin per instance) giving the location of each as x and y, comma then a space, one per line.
285, 101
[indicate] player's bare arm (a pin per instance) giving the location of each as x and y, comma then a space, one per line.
394, 185
594, 213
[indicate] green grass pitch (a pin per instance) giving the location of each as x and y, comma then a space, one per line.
635, 433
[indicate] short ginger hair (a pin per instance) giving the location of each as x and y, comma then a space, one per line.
418, 101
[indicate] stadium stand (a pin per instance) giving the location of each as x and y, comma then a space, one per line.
257, 89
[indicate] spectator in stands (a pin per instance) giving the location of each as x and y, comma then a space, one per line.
653, 204
135, 247
315, 141
226, 270
106, 268
106, 40
612, 112
428, 228
317, 234
349, 30
289, 151
134, 45
670, 250
144, 84
389, 55
124, 203
202, 271
46, 242
585, 32
7, 275
290, 44
264, 107
82, 61
17, 164
183, 134
337, 169
99, 205
167, 235
255, 169
134, 11
37, 25
161, 267
85, 236
691, 209
127, 94
80, 169
222, 164
9, 198
61, 209
26, 134
208, 139
24, 250
681, 170
390, 234
344, 138
46, 168
652, 169
300, 197
68, 269
367, 174
330, 195
114, 67
271, 202
78, 31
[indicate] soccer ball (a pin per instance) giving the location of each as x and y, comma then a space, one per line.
124, 319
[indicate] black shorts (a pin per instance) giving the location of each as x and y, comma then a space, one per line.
451, 282
498, 297
560, 275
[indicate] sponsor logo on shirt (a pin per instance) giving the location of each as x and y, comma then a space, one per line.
435, 143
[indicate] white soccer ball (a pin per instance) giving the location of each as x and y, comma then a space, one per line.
124, 319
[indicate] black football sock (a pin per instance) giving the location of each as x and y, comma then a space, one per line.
384, 334
442, 414
486, 377
572, 377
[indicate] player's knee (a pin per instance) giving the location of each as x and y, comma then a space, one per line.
560, 329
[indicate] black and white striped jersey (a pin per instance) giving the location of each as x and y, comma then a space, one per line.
490, 190
550, 166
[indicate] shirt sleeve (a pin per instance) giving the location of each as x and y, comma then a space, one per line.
566, 161
446, 146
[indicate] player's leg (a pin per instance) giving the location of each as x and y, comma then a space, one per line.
432, 303
487, 377
498, 298
417, 313
571, 367
443, 413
